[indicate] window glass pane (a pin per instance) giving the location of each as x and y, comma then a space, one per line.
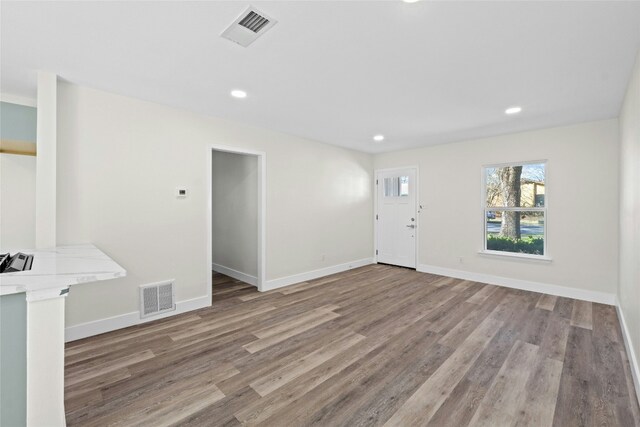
396, 186
515, 231
515, 186
391, 187
404, 185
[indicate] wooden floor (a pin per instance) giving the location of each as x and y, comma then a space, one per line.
377, 345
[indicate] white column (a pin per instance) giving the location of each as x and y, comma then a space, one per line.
45, 313
45, 361
46, 160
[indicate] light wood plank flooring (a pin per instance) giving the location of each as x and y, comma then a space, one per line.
377, 345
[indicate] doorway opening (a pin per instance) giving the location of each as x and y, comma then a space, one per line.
236, 220
396, 217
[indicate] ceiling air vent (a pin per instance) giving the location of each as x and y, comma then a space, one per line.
250, 25
254, 22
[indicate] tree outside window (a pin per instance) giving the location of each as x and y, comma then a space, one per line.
515, 208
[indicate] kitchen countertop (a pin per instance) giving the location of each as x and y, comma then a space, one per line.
55, 269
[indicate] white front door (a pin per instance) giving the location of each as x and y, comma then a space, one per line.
396, 219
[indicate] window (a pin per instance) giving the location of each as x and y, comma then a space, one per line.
515, 210
397, 186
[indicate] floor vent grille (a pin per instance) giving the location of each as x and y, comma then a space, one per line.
157, 298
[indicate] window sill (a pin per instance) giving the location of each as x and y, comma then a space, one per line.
527, 257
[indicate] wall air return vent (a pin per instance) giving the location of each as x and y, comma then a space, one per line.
250, 25
156, 298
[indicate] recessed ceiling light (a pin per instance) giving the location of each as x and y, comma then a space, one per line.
410, 1
513, 110
378, 138
237, 93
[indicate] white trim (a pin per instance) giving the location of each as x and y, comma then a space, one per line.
19, 100
631, 354
315, 274
528, 162
418, 209
514, 209
238, 275
262, 210
544, 209
89, 329
374, 255
545, 288
516, 255
396, 169
417, 213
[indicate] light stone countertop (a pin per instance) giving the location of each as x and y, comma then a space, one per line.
55, 269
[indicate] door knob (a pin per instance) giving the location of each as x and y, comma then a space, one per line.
411, 226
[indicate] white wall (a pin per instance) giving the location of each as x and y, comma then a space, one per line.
234, 188
17, 202
120, 161
582, 197
629, 289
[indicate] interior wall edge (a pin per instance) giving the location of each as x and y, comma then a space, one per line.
238, 275
525, 285
451, 229
128, 132
628, 344
314, 274
101, 326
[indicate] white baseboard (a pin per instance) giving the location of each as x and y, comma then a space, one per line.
109, 324
84, 330
315, 274
238, 275
561, 291
631, 354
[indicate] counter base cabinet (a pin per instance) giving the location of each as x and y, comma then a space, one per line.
32, 346
31, 361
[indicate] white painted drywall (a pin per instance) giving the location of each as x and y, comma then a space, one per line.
582, 197
46, 160
120, 161
234, 191
17, 202
629, 288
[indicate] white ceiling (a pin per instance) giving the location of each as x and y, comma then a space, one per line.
340, 72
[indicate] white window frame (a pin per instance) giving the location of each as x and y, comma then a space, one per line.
485, 209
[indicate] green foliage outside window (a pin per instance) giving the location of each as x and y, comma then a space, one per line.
525, 245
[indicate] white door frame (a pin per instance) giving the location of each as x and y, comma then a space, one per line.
262, 210
375, 207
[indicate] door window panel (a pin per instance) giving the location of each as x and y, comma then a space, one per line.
397, 186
